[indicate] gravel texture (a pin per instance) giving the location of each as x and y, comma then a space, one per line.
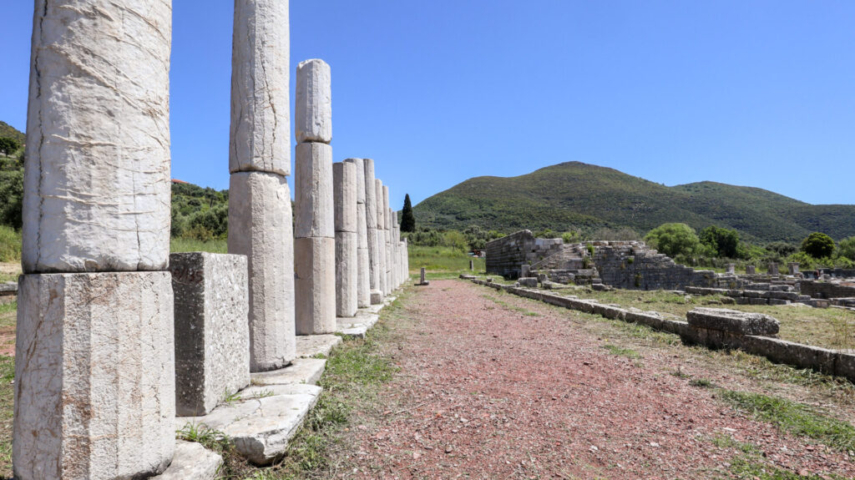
510, 388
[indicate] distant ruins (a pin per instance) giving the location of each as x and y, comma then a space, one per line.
115, 336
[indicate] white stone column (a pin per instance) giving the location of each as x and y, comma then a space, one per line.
94, 365
346, 241
371, 211
259, 161
381, 238
363, 263
314, 247
387, 230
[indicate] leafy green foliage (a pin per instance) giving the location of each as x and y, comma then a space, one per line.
847, 248
674, 239
8, 131
408, 219
10, 244
8, 146
725, 242
818, 245
199, 213
574, 195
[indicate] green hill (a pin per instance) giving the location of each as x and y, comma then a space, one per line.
8, 131
577, 195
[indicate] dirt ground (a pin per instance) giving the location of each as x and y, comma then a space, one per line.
496, 386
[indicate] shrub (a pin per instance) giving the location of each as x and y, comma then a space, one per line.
722, 241
574, 236
674, 239
455, 240
10, 244
847, 248
818, 245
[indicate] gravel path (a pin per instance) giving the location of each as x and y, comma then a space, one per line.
510, 389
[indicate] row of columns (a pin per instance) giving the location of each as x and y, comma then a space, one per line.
95, 358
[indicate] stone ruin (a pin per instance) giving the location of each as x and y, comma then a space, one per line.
115, 336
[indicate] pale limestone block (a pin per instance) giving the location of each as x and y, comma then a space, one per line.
363, 288
344, 195
346, 276
315, 285
313, 116
192, 461
313, 183
360, 178
260, 136
260, 228
94, 379
381, 239
211, 329
371, 225
97, 170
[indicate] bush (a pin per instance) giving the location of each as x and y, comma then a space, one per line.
10, 244
12, 193
574, 236
782, 249
818, 245
674, 239
847, 248
456, 241
724, 242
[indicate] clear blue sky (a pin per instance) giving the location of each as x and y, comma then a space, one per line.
758, 93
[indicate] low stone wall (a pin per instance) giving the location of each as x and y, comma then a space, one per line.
753, 297
831, 362
826, 290
507, 255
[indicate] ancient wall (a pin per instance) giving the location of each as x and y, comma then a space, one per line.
506, 256
826, 290
634, 266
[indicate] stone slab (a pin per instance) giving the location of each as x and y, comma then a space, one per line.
733, 321
260, 133
263, 422
302, 371
97, 171
313, 185
376, 298
260, 228
358, 326
94, 356
312, 345
192, 461
211, 329
313, 115
315, 285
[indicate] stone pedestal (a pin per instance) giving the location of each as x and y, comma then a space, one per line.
315, 285
750, 270
731, 268
211, 329
94, 383
260, 228
794, 268
773, 269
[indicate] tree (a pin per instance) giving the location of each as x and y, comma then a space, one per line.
847, 248
674, 239
818, 245
408, 219
723, 241
9, 146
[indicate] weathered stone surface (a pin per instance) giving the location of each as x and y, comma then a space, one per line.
360, 178
363, 260
211, 329
530, 282
363, 272
387, 231
313, 183
263, 423
733, 321
302, 371
97, 178
315, 285
371, 229
308, 346
313, 115
260, 228
346, 276
376, 298
94, 356
344, 196
358, 326
260, 135
192, 461
381, 238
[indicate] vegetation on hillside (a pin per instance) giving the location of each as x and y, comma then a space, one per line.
574, 195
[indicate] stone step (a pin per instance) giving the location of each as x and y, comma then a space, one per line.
302, 371
192, 461
309, 346
358, 326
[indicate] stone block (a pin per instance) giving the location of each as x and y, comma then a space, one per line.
357, 327
844, 365
211, 329
260, 228
192, 461
97, 171
346, 275
790, 353
94, 357
313, 115
260, 135
733, 321
775, 301
530, 282
313, 183
376, 297
309, 346
315, 285
302, 371
344, 195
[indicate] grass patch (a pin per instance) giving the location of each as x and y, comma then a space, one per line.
624, 352
10, 244
726, 441
8, 307
442, 260
527, 313
182, 245
701, 383
794, 418
754, 469
7, 402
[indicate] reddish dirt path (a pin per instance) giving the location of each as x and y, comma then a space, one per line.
486, 391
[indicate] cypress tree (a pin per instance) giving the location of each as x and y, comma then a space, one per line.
408, 220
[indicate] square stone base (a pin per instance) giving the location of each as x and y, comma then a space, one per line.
211, 329
94, 378
315, 285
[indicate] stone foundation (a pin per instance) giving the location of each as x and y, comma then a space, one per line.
94, 383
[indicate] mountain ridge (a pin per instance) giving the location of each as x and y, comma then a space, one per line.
578, 195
